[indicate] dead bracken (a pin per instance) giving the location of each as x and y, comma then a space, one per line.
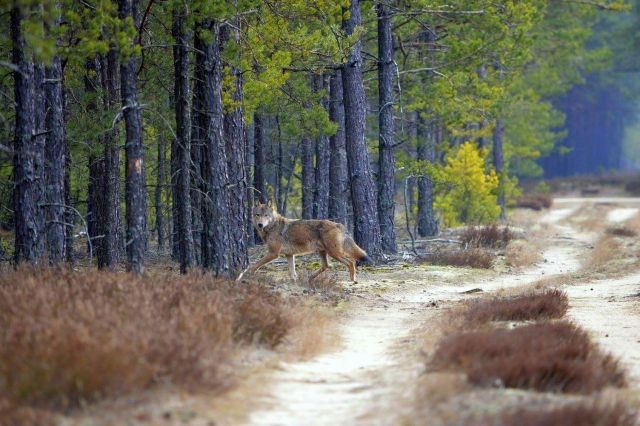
72, 337
547, 357
535, 201
582, 413
525, 307
491, 236
474, 258
621, 231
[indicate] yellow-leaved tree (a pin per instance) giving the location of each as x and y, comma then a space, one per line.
467, 193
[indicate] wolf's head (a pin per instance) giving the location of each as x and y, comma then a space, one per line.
263, 215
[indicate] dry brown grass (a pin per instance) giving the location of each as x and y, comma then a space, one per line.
491, 236
520, 253
326, 286
15, 415
582, 413
474, 258
525, 307
621, 231
554, 357
69, 338
604, 250
535, 201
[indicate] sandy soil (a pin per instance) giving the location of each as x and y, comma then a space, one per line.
610, 310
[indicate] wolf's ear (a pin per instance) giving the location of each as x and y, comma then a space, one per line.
269, 204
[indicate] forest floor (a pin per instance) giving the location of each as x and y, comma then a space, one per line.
370, 367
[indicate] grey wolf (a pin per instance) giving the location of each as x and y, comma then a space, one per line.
293, 237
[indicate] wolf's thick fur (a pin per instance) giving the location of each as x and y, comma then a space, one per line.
297, 237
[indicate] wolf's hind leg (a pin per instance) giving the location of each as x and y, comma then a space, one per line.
348, 262
324, 257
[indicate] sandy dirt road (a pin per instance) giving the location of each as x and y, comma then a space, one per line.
368, 379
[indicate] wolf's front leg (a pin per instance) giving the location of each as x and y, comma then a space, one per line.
259, 264
292, 268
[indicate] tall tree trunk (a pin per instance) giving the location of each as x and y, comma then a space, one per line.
308, 182
55, 162
175, 202
217, 177
136, 196
70, 214
366, 227
182, 189
27, 158
412, 134
386, 141
196, 151
280, 188
498, 163
234, 148
321, 194
95, 161
158, 194
40, 138
250, 194
259, 162
427, 223
337, 160
108, 212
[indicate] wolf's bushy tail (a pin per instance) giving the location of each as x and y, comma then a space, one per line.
356, 252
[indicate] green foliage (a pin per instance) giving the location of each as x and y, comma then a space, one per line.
466, 191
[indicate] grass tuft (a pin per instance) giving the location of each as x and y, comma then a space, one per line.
520, 253
535, 201
622, 231
548, 357
67, 338
526, 307
474, 258
582, 413
491, 236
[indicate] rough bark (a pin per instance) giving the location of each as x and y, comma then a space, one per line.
337, 160
250, 194
386, 141
175, 203
217, 199
40, 140
321, 194
136, 197
55, 163
366, 227
427, 223
95, 161
234, 149
108, 213
197, 183
160, 226
182, 151
259, 162
27, 159
498, 163
69, 214
308, 181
